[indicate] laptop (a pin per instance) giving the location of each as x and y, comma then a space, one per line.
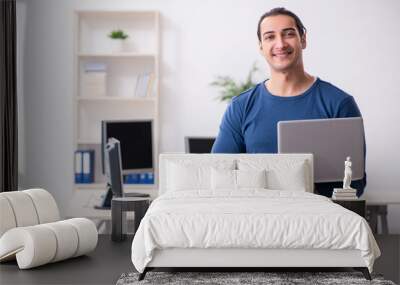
330, 141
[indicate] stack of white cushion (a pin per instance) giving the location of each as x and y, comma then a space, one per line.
31, 232
211, 173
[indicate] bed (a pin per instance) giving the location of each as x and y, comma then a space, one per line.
247, 210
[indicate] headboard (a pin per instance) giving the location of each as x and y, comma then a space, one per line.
237, 158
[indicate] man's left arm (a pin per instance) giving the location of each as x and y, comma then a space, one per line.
348, 108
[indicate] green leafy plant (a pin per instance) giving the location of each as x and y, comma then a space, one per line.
118, 34
230, 88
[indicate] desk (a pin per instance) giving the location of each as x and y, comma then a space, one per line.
82, 204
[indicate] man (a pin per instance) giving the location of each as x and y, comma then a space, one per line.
250, 121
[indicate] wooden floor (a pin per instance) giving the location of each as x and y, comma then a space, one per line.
110, 260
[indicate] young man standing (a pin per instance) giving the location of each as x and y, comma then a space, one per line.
249, 124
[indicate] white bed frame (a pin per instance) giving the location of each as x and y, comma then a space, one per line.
250, 258
234, 257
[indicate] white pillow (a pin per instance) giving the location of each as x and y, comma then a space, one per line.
281, 174
237, 179
251, 178
186, 175
293, 178
223, 179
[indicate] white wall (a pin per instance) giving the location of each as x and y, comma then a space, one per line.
353, 44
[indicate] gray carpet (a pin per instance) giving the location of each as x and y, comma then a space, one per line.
269, 278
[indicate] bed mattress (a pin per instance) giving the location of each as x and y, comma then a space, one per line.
251, 219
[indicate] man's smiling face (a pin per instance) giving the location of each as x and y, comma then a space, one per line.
281, 43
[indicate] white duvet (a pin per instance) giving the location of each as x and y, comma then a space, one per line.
250, 219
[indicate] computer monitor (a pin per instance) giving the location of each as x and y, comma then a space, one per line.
199, 144
136, 142
113, 172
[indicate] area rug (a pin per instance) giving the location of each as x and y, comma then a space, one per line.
244, 278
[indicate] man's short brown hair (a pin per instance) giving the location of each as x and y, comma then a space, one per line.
281, 11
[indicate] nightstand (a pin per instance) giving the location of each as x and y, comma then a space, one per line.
119, 207
356, 205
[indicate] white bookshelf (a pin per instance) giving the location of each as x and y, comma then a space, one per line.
138, 55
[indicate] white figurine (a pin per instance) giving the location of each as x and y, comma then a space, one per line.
347, 174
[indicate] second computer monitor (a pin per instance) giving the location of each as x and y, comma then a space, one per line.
113, 167
199, 144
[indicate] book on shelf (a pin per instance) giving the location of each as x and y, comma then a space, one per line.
94, 79
144, 85
341, 190
149, 90
344, 196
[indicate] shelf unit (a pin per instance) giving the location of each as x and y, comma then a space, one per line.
139, 55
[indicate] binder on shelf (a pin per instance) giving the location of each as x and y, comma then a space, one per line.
84, 166
78, 166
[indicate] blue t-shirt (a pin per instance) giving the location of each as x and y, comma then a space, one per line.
250, 122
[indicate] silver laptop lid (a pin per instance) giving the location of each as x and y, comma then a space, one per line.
330, 140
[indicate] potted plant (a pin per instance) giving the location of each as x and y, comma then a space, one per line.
230, 88
118, 38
